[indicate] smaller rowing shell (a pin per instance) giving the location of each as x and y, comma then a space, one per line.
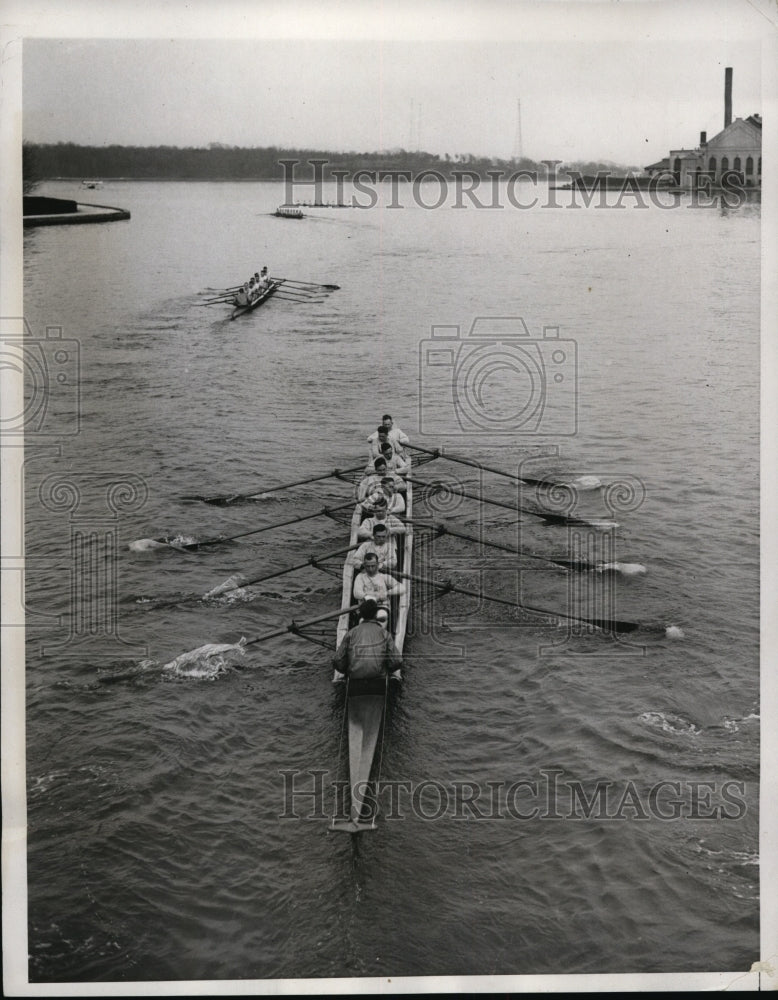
271, 289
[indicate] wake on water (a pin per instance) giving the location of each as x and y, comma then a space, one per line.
206, 662
587, 483
231, 585
148, 544
626, 569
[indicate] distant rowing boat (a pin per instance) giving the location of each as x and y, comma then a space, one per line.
271, 289
288, 212
365, 711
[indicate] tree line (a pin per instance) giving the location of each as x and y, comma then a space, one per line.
67, 160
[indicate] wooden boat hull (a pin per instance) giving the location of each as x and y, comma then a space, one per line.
258, 301
365, 715
365, 712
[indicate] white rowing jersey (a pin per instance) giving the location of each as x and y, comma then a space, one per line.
394, 504
387, 553
395, 466
369, 486
372, 482
397, 439
393, 525
379, 586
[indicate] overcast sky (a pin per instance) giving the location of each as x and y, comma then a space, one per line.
622, 82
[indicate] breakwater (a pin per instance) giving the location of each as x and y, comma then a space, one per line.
40, 211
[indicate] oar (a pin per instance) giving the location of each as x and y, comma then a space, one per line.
295, 627
308, 284
439, 453
204, 652
580, 565
323, 512
223, 501
606, 624
236, 288
548, 516
301, 289
235, 583
295, 293
294, 298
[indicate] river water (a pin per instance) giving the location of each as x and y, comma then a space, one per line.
163, 842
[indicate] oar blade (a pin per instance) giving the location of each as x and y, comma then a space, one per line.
613, 625
308, 284
350, 826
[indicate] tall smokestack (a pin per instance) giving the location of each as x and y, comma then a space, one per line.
727, 96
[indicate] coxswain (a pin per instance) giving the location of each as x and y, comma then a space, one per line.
367, 653
382, 544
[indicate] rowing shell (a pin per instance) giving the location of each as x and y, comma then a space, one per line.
365, 712
271, 289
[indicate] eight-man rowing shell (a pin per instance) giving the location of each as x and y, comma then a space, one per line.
365, 712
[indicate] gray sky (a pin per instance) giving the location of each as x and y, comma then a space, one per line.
578, 100
623, 82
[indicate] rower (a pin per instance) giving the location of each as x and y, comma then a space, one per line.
394, 462
265, 278
252, 289
397, 437
371, 483
371, 583
378, 470
377, 439
367, 652
386, 494
395, 502
382, 544
380, 515
242, 297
